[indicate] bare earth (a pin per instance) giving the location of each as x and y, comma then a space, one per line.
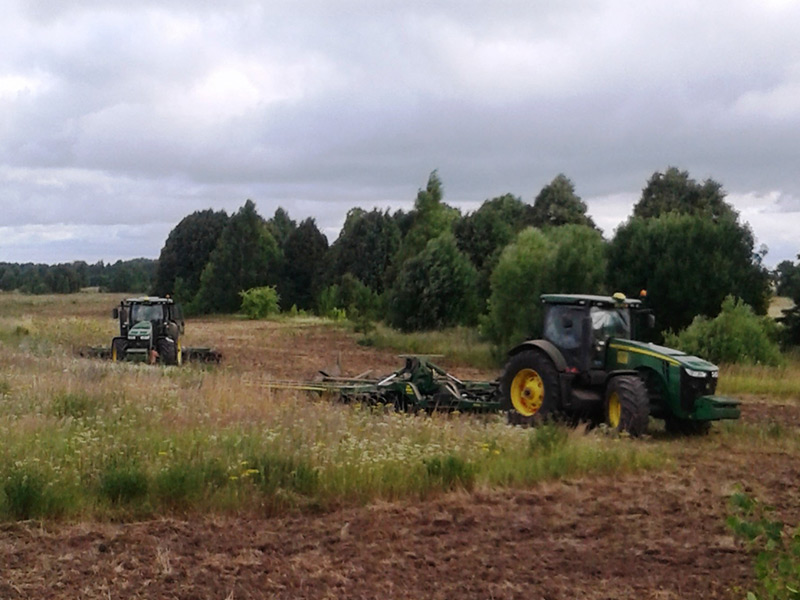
650, 535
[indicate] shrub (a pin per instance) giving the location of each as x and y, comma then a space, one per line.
736, 335
260, 302
24, 491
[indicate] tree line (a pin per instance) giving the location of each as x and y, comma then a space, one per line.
67, 278
434, 267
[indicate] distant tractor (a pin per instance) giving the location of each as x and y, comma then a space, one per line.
149, 331
589, 364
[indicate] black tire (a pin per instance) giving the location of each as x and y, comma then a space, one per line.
167, 351
529, 388
677, 426
119, 346
627, 405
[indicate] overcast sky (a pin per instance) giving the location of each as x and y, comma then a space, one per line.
119, 118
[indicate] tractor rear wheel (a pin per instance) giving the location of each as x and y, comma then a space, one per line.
529, 388
627, 405
118, 348
167, 351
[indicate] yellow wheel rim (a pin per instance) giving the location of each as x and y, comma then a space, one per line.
527, 392
113, 353
614, 410
180, 354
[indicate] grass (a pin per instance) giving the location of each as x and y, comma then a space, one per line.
87, 439
775, 382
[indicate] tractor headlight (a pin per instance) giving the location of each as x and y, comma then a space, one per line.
715, 374
693, 373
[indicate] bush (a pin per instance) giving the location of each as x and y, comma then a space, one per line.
260, 302
736, 335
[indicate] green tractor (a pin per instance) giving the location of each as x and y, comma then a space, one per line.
590, 365
149, 331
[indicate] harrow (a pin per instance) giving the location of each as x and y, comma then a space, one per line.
419, 385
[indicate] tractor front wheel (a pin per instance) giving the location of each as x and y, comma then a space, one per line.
118, 348
167, 351
529, 387
627, 405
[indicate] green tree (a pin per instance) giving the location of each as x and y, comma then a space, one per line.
569, 259
434, 289
186, 252
675, 191
787, 279
688, 264
430, 218
281, 226
558, 204
245, 257
365, 248
304, 254
482, 235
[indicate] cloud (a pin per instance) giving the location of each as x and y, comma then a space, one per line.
117, 113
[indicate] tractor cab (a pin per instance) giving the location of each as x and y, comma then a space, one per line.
581, 326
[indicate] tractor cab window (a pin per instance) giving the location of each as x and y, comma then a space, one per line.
563, 326
147, 312
610, 322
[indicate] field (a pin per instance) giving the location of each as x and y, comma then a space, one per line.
129, 481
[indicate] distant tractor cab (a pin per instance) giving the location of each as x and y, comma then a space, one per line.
149, 331
590, 365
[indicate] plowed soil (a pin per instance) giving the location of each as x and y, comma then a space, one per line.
649, 535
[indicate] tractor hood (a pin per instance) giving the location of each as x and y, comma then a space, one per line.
671, 355
142, 330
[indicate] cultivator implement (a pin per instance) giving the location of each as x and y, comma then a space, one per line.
188, 354
419, 386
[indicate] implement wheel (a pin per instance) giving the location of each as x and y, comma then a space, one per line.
529, 388
627, 405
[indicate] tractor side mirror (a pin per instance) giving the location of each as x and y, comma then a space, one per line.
115, 313
651, 321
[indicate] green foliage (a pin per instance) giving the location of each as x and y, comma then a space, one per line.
483, 234
735, 335
365, 248
260, 302
123, 482
558, 204
688, 264
271, 473
177, 485
777, 553
24, 490
787, 279
352, 297
304, 253
430, 218
281, 226
547, 438
186, 252
675, 191
246, 256
567, 259
450, 472
434, 289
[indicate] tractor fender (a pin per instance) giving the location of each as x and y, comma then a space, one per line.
611, 374
542, 346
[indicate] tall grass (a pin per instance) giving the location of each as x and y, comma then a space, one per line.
775, 382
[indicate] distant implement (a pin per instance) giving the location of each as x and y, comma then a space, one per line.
150, 330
